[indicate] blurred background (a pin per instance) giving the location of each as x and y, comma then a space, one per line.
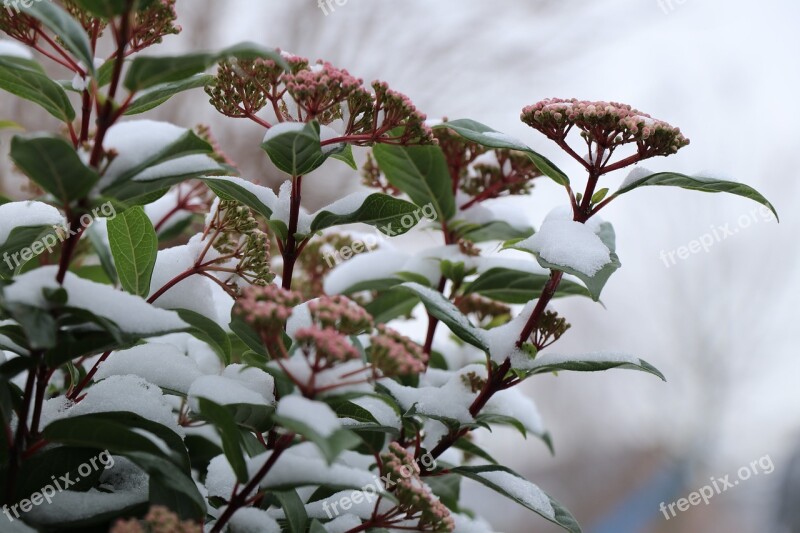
717, 323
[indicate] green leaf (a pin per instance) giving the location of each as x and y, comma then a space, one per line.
67, 29
594, 283
209, 332
545, 363
26, 79
518, 287
470, 448
697, 183
134, 245
37, 471
38, 324
158, 94
19, 239
486, 136
420, 172
229, 433
147, 71
496, 230
54, 165
330, 446
171, 487
443, 309
380, 210
107, 9
99, 433
346, 156
187, 144
521, 491
103, 252
227, 189
391, 304
295, 147
295, 511
247, 335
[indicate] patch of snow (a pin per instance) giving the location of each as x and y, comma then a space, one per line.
160, 364
9, 48
252, 520
131, 313
636, 174
522, 490
27, 214
317, 415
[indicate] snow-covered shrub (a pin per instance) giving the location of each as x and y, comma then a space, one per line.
240, 379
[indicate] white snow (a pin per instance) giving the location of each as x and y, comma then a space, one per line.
512, 402
137, 141
130, 313
124, 485
9, 48
568, 244
195, 293
282, 128
547, 359
450, 400
635, 175
502, 340
27, 214
521, 489
252, 520
317, 415
379, 264
161, 364
343, 523
156, 211
465, 524
126, 393
502, 137
237, 384
345, 206
300, 465
379, 409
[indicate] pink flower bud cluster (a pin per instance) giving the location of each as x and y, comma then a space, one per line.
266, 308
399, 112
340, 313
329, 345
394, 354
608, 124
319, 89
413, 496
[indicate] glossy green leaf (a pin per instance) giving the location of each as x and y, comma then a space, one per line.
158, 94
209, 332
486, 136
26, 79
547, 362
518, 287
67, 29
391, 215
420, 172
697, 183
134, 245
228, 431
295, 147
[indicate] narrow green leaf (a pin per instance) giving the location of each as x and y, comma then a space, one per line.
209, 332
229, 433
545, 363
54, 165
134, 245
518, 287
385, 212
697, 183
67, 29
508, 483
147, 71
295, 511
420, 172
486, 136
26, 79
443, 309
158, 94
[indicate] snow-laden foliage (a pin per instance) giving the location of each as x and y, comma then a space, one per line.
237, 359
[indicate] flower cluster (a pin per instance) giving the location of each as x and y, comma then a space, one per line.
340, 313
549, 329
486, 312
158, 520
266, 308
237, 237
606, 124
19, 25
311, 267
506, 173
329, 345
402, 472
371, 176
394, 354
319, 92
152, 24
